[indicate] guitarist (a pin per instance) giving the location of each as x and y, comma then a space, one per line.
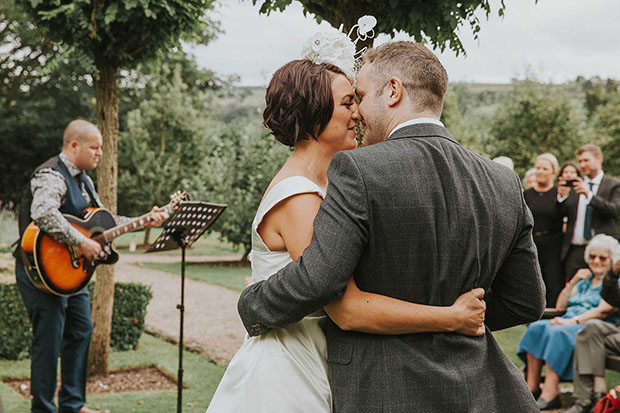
62, 325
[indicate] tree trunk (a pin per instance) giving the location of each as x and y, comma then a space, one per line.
147, 235
107, 173
246, 256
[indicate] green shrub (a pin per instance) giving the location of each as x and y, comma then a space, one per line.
130, 302
15, 328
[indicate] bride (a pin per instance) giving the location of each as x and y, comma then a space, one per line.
311, 107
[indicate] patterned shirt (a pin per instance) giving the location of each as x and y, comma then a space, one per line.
48, 188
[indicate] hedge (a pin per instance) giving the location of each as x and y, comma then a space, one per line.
15, 328
130, 302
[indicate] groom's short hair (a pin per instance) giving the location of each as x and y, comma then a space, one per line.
299, 100
422, 74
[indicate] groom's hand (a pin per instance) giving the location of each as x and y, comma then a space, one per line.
469, 310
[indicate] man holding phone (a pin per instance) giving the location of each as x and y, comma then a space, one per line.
592, 207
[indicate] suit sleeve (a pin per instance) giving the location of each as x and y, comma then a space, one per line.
611, 290
517, 294
321, 274
608, 208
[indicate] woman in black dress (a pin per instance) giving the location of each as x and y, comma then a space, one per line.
542, 200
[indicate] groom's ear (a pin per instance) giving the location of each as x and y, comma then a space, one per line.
396, 91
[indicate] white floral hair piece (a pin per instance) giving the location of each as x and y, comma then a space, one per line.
337, 48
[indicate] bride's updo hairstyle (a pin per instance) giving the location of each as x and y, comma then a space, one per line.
299, 101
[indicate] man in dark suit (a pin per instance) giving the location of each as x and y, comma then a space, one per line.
593, 207
416, 217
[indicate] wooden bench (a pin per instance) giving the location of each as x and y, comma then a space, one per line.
611, 362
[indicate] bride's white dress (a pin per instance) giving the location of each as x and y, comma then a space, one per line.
284, 370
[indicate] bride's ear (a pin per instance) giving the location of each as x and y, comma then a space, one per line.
395, 90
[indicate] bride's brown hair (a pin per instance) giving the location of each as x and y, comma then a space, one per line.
299, 100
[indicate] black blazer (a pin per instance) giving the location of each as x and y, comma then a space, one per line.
419, 218
605, 211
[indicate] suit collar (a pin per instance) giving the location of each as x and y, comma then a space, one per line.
415, 121
422, 130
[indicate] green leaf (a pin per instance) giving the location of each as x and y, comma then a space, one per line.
110, 14
130, 4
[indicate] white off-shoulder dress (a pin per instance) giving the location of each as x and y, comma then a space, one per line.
284, 370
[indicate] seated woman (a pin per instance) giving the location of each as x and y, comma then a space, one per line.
552, 341
597, 340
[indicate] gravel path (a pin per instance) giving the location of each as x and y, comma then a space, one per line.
211, 320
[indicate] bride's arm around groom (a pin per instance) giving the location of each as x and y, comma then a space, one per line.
341, 235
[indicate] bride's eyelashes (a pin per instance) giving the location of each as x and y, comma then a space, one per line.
348, 100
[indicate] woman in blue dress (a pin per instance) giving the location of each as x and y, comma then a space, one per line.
551, 342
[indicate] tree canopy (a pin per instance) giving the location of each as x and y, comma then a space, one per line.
34, 107
124, 33
436, 21
244, 159
537, 119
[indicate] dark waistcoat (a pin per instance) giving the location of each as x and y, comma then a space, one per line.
74, 203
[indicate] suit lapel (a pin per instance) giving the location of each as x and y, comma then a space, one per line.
603, 187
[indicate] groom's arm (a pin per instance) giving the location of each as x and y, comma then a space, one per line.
517, 293
321, 274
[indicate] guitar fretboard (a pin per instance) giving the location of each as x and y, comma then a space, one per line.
133, 225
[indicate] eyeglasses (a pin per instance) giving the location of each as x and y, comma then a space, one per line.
601, 258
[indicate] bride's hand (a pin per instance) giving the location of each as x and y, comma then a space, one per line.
469, 309
249, 281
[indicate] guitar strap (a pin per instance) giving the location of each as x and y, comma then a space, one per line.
31, 270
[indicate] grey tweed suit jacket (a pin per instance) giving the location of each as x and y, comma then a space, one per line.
418, 218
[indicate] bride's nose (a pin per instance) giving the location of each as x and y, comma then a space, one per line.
356, 112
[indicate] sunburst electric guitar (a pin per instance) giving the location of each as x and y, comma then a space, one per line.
60, 269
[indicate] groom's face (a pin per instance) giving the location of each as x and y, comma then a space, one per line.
372, 106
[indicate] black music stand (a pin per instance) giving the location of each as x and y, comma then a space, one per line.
188, 223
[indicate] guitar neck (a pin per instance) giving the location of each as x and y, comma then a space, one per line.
133, 225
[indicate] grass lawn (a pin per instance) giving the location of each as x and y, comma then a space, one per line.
229, 277
208, 244
508, 340
200, 376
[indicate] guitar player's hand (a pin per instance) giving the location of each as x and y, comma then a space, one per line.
158, 216
90, 249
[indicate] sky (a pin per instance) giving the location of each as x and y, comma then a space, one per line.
552, 40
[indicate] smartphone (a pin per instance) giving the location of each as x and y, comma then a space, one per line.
569, 182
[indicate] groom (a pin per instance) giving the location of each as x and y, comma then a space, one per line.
417, 217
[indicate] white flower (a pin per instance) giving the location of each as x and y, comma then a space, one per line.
334, 48
366, 24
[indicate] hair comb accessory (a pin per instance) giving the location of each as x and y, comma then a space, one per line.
337, 48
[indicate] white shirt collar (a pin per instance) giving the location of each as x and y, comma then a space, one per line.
415, 122
597, 179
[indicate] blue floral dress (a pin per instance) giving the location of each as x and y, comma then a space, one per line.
556, 344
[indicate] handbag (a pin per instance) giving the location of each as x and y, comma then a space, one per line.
609, 403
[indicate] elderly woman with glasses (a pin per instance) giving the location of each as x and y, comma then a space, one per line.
552, 342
